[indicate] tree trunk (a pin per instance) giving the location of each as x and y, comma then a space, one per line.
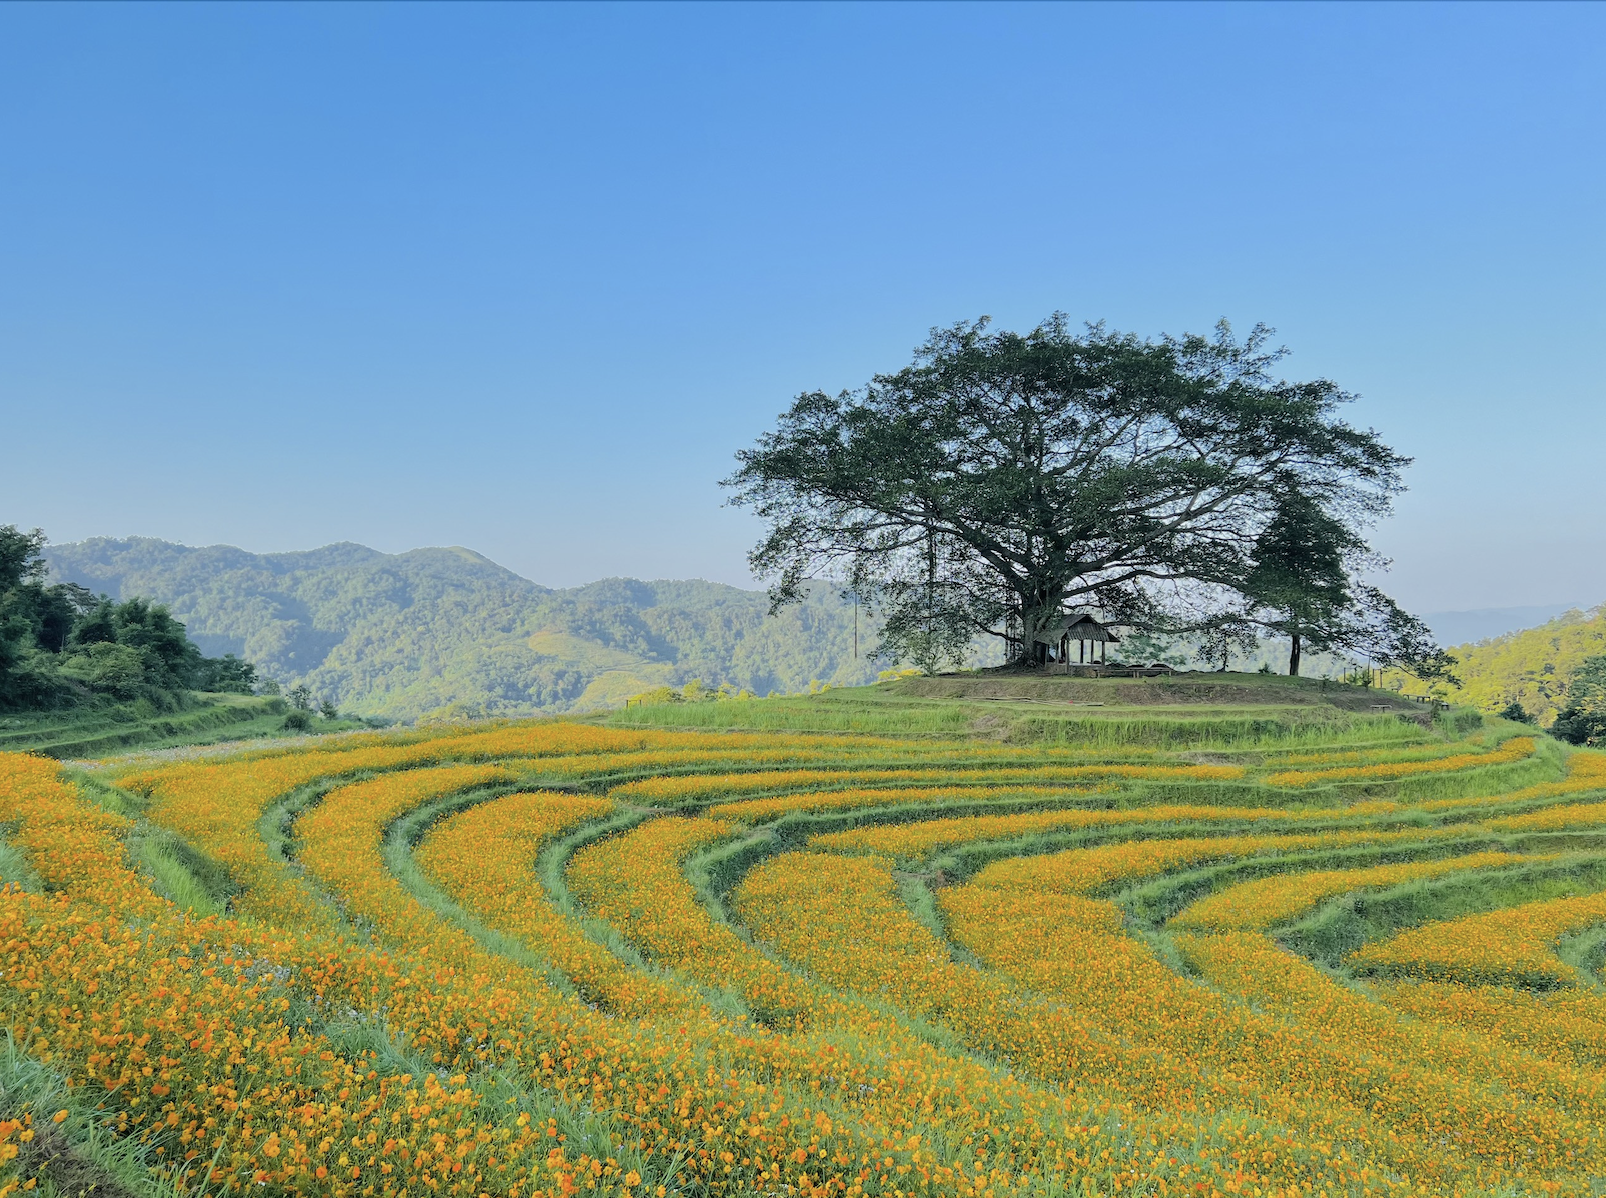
1293, 656
1037, 612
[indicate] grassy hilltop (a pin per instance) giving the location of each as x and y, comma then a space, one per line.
1180, 711
446, 630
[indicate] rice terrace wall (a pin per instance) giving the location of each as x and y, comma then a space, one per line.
1356, 955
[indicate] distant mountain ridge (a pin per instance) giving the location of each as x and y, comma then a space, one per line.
403, 634
1469, 627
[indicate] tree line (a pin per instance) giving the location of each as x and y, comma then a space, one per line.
61, 645
1582, 721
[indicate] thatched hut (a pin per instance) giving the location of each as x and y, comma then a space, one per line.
1053, 642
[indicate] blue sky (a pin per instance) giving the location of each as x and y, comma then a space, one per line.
523, 278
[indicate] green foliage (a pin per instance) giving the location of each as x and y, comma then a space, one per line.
1304, 585
1299, 584
695, 691
227, 675
1516, 713
1001, 479
1534, 668
1583, 720
298, 719
105, 666
91, 730
1221, 640
60, 646
436, 630
179, 873
15, 867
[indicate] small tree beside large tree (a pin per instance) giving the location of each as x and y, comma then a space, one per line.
1305, 585
1002, 479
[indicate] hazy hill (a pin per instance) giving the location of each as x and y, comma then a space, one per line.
1530, 667
402, 634
1468, 627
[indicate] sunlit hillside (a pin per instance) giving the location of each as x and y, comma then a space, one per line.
1529, 667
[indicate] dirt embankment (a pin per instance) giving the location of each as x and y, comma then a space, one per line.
1205, 689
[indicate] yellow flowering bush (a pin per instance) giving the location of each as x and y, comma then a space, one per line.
1515, 749
1250, 906
696, 787
1566, 1026
1515, 945
485, 859
1084, 871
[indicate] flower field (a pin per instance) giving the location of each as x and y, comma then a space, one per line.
556, 957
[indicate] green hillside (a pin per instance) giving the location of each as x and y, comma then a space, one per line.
1530, 667
399, 635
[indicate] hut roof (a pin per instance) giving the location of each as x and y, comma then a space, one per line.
1079, 626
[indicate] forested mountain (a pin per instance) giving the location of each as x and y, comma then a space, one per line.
403, 634
1532, 667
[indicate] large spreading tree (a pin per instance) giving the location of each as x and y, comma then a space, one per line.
1002, 480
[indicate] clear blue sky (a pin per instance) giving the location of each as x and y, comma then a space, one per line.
523, 278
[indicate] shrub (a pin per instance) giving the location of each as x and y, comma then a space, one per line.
1583, 720
297, 720
1579, 727
117, 670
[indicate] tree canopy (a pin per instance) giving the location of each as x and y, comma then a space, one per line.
60, 644
1583, 720
1304, 583
1001, 480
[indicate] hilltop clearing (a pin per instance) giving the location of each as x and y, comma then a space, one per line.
1182, 710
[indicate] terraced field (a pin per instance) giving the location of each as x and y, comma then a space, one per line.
1345, 957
